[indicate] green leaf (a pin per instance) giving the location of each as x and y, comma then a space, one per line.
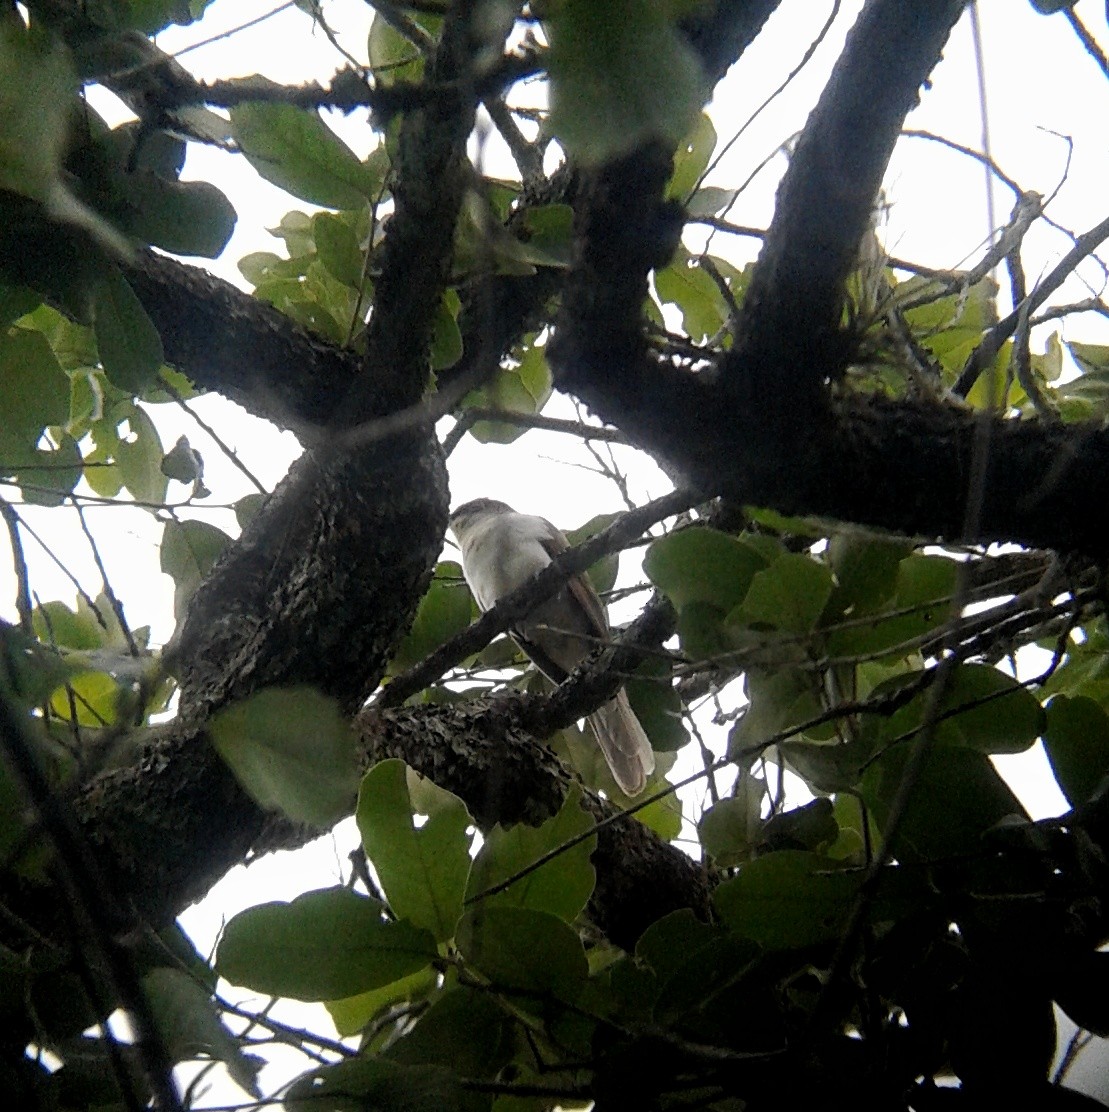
811, 826
694, 964
730, 829
701, 631
692, 157
788, 899
866, 570
139, 459
172, 946
152, 16
562, 886
621, 75
325, 945
465, 1030
34, 392
957, 795
15, 302
444, 611
292, 751
95, 698
55, 624
1087, 395
702, 565
28, 670
986, 708
1091, 358
295, 150
101, 611
296, 230
129, 345
392, 57
374, 1083
423, 869
689, 286
338, 249
664, 816
524, 949
709, 200
1085, 670
352, 1013
550, 235
778, 701
524, 388
135, 147
186, 218
48, 475
603, 573
182, 462
921, 604
950, 325
1077, 744
790, 595
481, 239
73, 344
247, 506
446, 338
38, 89
189, 550
658, 706
295, 300
189, 1025
260, 267
980, 707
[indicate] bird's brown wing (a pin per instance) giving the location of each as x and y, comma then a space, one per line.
581, 588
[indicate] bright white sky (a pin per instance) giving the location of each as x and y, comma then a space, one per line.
1040, 87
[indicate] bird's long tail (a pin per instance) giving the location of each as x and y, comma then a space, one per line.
624, 744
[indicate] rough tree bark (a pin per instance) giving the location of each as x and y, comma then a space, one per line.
323, 583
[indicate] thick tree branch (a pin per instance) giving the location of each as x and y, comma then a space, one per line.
432, 173
227, 341
903, 466
721, 32
324, 580
485, 752
789, 340
167, 827
624, 227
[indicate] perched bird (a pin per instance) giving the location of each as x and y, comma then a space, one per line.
501, 549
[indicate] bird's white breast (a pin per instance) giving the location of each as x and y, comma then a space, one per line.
501, 553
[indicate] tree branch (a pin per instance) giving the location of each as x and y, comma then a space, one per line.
484, 752
789, 340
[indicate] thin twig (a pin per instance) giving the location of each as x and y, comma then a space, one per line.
19, 560
985, 353
224, 447
109, 593
625, 530
1087, 40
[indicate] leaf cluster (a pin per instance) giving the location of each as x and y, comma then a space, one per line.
885, 914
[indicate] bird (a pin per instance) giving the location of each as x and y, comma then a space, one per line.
501, 549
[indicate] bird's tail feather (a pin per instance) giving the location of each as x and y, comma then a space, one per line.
624, 744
